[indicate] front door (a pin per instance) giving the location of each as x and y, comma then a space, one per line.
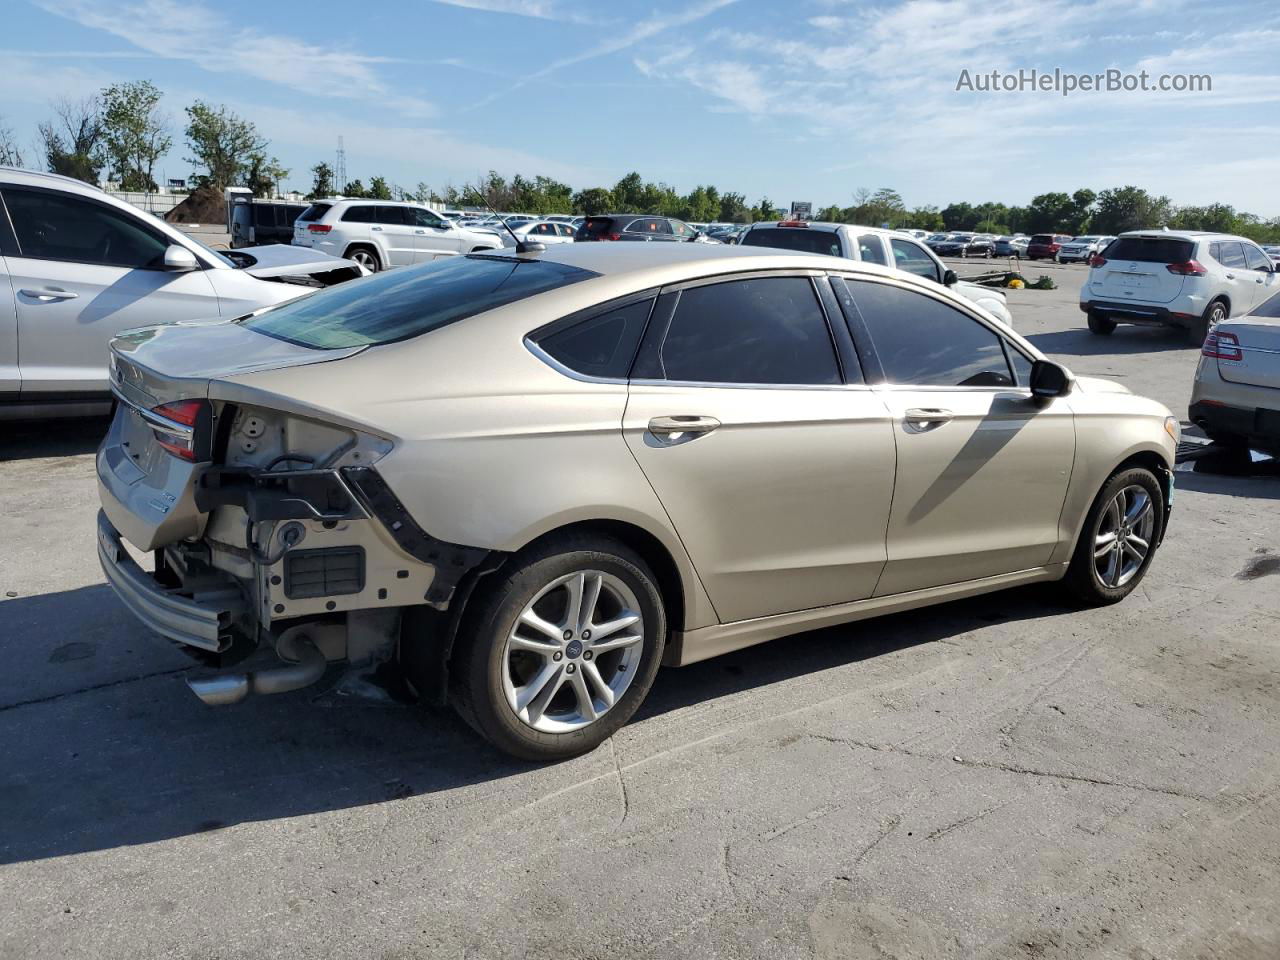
85, 271
982, 467
434, 236
775, 469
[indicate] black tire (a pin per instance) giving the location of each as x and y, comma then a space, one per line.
1082, 583
479, 659
1214, 314
366, 256
1100, 324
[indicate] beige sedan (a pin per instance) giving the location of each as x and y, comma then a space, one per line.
535, 478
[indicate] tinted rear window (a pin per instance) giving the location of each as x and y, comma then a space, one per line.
358, 215
1042, 238
595, 226
1150, 249
794, 238
315, 211
408, 302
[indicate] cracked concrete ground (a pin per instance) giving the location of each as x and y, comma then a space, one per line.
999, 777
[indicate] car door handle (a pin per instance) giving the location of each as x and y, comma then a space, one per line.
46, 294
419, 231
927, 417
378, 229
672, 430
1231, 276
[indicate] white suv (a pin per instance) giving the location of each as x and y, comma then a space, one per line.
892, 248
1176, 278
380, 233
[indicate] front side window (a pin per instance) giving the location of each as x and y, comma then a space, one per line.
399, 304
604, 345
681, 229
924, 342
1255, 259
55, 226
769, 330
911, 257
871, 249
424, 218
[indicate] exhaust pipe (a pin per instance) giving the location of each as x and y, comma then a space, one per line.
229, 688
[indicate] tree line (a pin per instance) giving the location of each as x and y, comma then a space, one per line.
122, 132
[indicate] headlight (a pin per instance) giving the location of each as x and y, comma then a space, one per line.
1173, 428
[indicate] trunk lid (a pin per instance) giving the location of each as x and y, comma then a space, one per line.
1258, 343
1137, 268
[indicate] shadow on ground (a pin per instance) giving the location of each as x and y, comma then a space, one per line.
51, 438
131, 757
1125, 340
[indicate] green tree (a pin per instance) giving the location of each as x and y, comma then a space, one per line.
322, 181
354, 189
10, 152
135, 133
701, 205
378, 189
73, 141
221, 143
594, 201
1130, 208
263, 175
925, 218
628, 194
959, 216
765, 210
733, 208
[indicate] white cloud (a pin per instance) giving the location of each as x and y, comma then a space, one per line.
189, 31
537, 9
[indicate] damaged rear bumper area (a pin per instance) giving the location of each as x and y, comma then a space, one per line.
317, 566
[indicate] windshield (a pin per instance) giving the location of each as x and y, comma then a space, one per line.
404, 303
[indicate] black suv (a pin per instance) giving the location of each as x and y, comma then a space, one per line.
634, 226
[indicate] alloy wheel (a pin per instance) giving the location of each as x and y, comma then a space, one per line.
573, 651
366, 260
1123, 536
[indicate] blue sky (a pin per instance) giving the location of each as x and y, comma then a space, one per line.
802, 100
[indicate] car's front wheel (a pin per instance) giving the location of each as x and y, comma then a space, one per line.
560, 650
1119, 539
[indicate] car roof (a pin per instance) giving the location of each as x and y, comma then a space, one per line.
1182, 234
38, 178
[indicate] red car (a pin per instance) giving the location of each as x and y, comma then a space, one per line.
1045, 246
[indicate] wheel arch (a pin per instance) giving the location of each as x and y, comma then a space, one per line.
365, 245
1150, 456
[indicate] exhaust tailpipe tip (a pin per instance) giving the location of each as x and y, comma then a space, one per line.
225, 689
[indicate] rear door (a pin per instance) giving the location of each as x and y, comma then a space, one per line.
393, 227
84, 271
773, 460
1137, 268
982, 467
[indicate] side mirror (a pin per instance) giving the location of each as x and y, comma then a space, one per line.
949, 278
179, 259
1049, 380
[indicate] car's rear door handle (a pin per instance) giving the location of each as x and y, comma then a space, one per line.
927, 417
47, 293
379, 229
672, 430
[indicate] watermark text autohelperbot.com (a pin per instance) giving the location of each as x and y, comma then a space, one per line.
1030, 80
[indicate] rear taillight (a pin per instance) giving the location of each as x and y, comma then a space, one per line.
1188, 268
1097, 260
1224, 346
175, 426
318, 228
612, 236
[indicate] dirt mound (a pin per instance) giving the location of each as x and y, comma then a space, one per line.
204, 205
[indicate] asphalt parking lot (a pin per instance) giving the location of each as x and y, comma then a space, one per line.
998, 777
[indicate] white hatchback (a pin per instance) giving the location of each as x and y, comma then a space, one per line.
378, 234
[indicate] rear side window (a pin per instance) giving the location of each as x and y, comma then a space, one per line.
924, 342
603, 346
391, 215
1150, 249
399, 304
358, 215
314, 212
1231, 254
770, 331
794, 238
870, 249
55, 226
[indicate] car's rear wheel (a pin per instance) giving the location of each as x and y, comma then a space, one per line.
1214, 314
367, 257
1101, 324
560, 650
1119, 539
